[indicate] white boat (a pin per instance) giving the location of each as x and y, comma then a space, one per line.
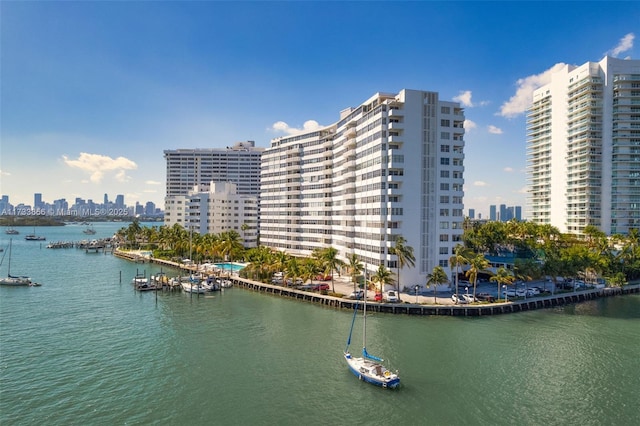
193, 287
15, 281
139, 279
11, 231
368, 368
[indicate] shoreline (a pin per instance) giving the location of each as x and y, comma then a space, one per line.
422, 305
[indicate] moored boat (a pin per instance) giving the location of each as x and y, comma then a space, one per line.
368, 368
11, 231
15, 281
193, 287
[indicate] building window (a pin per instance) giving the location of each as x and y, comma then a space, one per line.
444, 148
444, 199
445, 110
444, 250
444, 187
445, 123
444, 173
444, 212
444, 238
443, 263
444, 161
444, 225
445, 136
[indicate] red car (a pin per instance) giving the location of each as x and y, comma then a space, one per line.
320, 287
378, 297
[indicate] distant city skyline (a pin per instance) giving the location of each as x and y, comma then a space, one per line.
77, 206
94, 92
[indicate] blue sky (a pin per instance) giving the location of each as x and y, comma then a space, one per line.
93, 92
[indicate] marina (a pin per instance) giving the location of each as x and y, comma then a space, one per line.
87, 348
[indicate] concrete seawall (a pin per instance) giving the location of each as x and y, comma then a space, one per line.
448, 310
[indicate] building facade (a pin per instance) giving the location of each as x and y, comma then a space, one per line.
391, 167
583, 148
214, 209
239, 164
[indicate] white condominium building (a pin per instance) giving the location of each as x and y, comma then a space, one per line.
239, 164
583, 148
214, 209
391, 167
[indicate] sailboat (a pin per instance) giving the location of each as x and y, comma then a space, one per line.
368, 368
14, 281
34, 237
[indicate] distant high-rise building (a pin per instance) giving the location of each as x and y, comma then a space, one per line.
37, 201
472, 213
119, 204
187, 168
390, 167
518, 213
492, 213
213, 209
149, 208
583, 148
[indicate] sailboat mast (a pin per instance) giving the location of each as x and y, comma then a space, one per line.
364, 315
9, 264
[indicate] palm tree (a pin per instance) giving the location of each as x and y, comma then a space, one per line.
404, 255
477, 264
355, 267
502, 276
382, 277
293, 269
331, 262
461, 256
230, 245
436, 277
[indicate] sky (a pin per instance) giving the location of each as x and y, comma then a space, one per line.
92, 93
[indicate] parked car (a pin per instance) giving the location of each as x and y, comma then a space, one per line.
356, 295
533, 291
485, 297
378, 297
514, 293
509, 293
392, 297
320, 287
468, 298
457, 298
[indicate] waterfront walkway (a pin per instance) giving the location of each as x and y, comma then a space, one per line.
420, 304
448, 309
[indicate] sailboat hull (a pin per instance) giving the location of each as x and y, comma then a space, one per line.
372, 372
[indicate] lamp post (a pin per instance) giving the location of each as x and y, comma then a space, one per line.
416, 289
467, 290
504, 289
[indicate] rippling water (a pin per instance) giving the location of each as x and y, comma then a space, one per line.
86, 349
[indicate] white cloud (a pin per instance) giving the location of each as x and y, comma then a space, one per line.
519, 102
469, 125
153, 182
4, 173
626, 43
479, 183
523, 190
464, 98
97, 165
494, 130
282, 127
508, 169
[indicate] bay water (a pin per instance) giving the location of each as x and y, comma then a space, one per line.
86, 349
